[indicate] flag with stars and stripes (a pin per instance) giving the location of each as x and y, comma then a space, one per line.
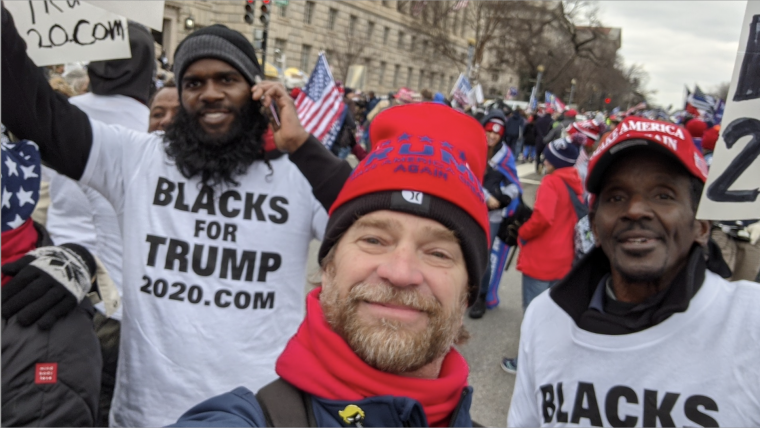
320, 105
20, 181
460, 4
461, 90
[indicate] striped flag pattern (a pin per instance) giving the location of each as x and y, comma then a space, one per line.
461, 90
320, 104
460, 4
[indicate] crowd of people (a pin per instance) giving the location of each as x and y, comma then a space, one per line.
155, 241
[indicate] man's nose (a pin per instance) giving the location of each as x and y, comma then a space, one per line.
402, 267
638, 207
166, 120
211, 93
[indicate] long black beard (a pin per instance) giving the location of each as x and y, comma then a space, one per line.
217, 160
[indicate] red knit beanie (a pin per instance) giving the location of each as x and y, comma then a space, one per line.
495, 125
426, 160
709, 138
696, 128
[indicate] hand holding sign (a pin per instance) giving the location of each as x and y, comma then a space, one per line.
61, 31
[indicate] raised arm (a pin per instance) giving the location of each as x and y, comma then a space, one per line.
325, 172
33, 111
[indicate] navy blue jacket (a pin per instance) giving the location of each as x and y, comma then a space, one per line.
239, 408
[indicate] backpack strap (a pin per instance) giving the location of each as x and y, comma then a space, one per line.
285, 406
580, 208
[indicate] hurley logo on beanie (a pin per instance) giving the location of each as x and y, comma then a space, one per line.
427, 160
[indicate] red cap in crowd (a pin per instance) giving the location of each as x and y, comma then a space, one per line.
696, 128
589, 128
428, 160
495, 125
571, 113
710, 137
665, 137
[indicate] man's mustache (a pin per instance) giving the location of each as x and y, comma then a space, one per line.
398, 296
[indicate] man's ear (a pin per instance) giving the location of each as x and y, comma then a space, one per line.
702, 232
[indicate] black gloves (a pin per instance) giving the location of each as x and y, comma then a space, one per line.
47, 284
511, 225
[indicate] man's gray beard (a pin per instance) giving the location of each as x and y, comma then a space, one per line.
389, 346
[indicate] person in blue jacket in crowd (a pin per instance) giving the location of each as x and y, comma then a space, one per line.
502, 189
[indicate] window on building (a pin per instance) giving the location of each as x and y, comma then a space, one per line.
396, 70
282, 10
386, 35
308, 12
280, 44
409, 71
452, 79
401, 6
420, 81
424, 46
494, 77
352, 22
401, 36
305, 57
370, 29
381, 72
386, 3
431, 81
332, 17
413, 44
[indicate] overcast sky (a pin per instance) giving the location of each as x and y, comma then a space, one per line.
678, 42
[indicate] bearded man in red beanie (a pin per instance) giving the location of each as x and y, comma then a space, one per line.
404, 251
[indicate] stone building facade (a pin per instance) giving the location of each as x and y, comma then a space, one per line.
380, 35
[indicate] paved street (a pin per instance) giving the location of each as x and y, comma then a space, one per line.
494, 336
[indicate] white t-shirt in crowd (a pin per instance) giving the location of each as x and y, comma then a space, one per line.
81, 215
696, 368
213, 281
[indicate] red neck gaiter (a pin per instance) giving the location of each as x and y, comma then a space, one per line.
17, 242
318, 361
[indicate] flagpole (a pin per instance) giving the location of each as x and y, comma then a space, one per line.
540, 70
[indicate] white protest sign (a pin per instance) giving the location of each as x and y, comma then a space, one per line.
150, 13
62, 31
732, 191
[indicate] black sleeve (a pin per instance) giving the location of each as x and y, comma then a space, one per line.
32, 110
325, 172
492, 183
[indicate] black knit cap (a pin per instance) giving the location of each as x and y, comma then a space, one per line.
217, 42
472, 237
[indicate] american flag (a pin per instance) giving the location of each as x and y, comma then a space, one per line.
21, 181
554, 101
461, 90
700, 101
460, 4
418, 6
320, 104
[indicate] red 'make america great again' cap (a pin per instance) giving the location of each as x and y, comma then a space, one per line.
428, 160
665, 137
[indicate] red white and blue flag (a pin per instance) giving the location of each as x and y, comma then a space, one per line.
461, 90
554, 101
320, 105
